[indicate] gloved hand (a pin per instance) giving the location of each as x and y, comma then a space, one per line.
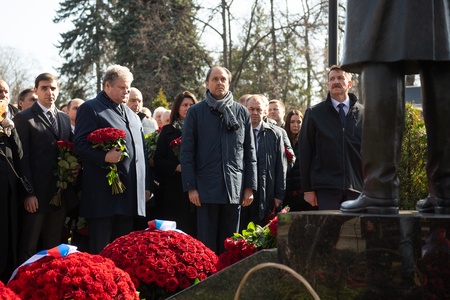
8, 126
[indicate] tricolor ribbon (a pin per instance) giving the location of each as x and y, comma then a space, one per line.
60, 251
163, 225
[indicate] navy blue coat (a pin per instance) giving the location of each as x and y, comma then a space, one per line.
97, 200
272, 168
217, 162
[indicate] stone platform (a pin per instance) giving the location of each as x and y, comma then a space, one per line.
344, 256
362, 256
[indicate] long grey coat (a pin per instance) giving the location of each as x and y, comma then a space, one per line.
396, 30
97, 200
217, 162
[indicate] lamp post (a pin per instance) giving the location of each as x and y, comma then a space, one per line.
332, 32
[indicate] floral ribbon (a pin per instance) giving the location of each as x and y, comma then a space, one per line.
163, 225
57, 252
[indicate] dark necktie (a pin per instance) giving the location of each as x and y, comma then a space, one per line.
342, 113
255, 134
52, 120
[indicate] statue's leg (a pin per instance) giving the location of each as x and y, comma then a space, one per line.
435, 78
383, 92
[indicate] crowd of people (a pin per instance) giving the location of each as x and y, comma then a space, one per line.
219, 163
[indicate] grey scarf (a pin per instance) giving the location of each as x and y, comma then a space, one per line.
223, 106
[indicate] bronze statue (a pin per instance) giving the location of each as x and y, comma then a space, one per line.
384, 40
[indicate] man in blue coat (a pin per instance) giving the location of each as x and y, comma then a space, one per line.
218, 160
110, 216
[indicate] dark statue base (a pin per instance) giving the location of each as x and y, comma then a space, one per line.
362, 256
344, 256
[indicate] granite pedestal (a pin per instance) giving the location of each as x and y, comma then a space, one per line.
362, 256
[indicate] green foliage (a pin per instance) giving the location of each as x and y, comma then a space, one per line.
85, 49
412, 173
257, 235
160, 100
158, 41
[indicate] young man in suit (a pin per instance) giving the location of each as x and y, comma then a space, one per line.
111, 216
39, 129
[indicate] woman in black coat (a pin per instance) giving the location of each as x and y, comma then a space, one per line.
294, 195
176, 204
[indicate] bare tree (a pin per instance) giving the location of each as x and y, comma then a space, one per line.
15, 70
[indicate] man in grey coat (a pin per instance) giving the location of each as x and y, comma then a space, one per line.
110, 216
271, 164
218, 160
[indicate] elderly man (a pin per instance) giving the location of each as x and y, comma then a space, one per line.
10, 153
135, 104
111, 215
271, 164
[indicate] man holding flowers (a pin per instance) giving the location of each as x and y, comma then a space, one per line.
40, 127
108, 210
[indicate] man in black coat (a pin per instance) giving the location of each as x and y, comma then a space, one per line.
330, 144
39, 139
385, 40
10, 153
111, 215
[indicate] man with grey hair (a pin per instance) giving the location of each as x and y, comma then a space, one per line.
271, 164
135, 102
111, 215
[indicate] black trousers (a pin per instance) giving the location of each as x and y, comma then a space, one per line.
103, 231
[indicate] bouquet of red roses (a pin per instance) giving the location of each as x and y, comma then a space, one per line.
161, 262
76, 276
65, 170
107, 139
175, 145
6, 293
255, 237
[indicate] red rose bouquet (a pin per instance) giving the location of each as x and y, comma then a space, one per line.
6, 293
161, 262
107, 139
252, 239
66, 169
76, 276
289, 156
175, 145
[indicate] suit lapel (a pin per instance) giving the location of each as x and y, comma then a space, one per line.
40, 114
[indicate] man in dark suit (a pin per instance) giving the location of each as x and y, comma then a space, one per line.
39, 129
110, 216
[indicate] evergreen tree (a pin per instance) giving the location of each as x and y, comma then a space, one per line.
160, 100
158, 41
86, 49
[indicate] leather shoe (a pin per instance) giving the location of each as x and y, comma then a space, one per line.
426, 205
442, 206
371, 205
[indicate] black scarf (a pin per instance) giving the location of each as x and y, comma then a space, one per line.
223, 106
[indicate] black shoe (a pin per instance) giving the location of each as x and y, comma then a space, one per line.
442, 206
426, 205
371, 205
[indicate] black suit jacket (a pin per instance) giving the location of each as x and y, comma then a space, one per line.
40, 151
